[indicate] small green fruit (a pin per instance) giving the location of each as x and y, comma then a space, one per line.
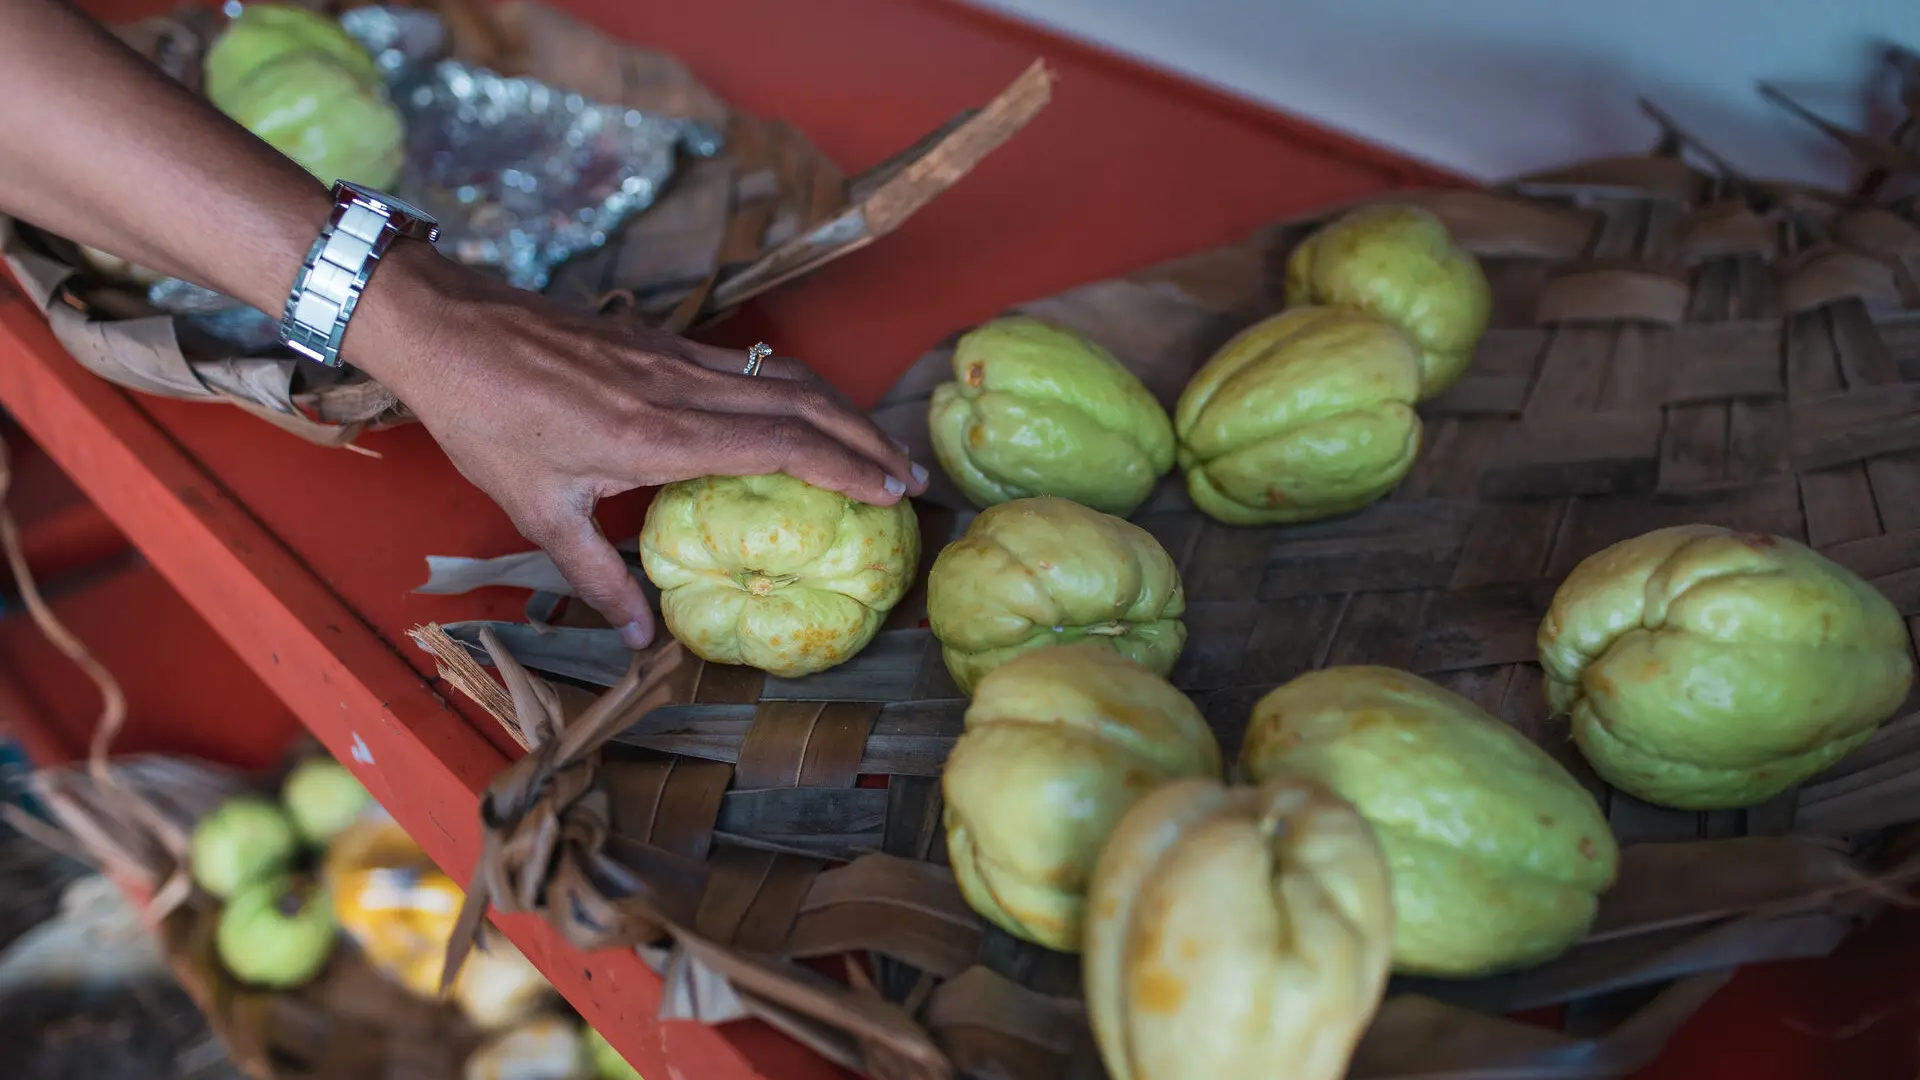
265, 35
1708, 669
1399, 263
607, 1062
297, 80
1044, 572
1037, 410
1060, 743
248, 839
323, 798
1498, 855
1301, 416
275, 934
773, 573
314, 111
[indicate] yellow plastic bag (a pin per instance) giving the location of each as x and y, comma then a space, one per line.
401, 909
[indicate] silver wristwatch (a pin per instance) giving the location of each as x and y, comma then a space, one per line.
364, 223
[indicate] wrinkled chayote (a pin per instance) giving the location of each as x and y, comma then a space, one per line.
276, 933
1037, 410
263, 35
1302, 416
774, 573
1058, 745
246, 839
1498, 855
1039, 572
1706, 669
1236, 933
1400, 263
299, 82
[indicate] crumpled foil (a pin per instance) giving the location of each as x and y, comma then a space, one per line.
522, 176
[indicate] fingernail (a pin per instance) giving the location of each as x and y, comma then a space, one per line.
636, 636
896, 486
902, 447
919, 474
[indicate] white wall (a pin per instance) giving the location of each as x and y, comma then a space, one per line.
1491, 88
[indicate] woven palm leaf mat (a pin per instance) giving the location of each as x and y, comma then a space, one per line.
767, 209
1668, 346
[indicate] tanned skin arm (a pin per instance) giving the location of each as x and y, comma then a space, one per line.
544, 408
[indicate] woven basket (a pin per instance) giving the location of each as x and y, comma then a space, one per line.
1669, 346
349, 1023
766, 210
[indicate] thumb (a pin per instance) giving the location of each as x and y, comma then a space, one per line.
598, 575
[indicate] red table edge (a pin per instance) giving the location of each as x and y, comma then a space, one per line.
356, 690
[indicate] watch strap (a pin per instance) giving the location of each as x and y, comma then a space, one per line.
337, 268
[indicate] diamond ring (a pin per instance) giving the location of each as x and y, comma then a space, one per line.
755, 356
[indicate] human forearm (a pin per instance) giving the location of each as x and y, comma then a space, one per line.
103, 148
547, 409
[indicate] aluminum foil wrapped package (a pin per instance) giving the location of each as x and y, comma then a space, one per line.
522, 175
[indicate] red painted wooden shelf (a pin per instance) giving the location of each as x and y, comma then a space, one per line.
302, 559
61, 532
187, 693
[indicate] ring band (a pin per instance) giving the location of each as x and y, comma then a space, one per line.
755, 356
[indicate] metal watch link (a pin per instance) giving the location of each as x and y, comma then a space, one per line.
363, 225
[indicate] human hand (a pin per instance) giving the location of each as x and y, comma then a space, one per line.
549, 410
546, 410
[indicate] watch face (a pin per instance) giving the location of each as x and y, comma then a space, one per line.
392, 203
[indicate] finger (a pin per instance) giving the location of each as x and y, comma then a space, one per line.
742, 446
795, 391
597, 573
715, 358
786, 367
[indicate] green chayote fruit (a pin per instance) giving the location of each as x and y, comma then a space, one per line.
1708, 669
1059, 743
322, 799
1047, 571
1302, 416
264, 35
1037, 410
245, 839
1498, 855
312, 110
1400, 263
300, 83
276, 935
774, 573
